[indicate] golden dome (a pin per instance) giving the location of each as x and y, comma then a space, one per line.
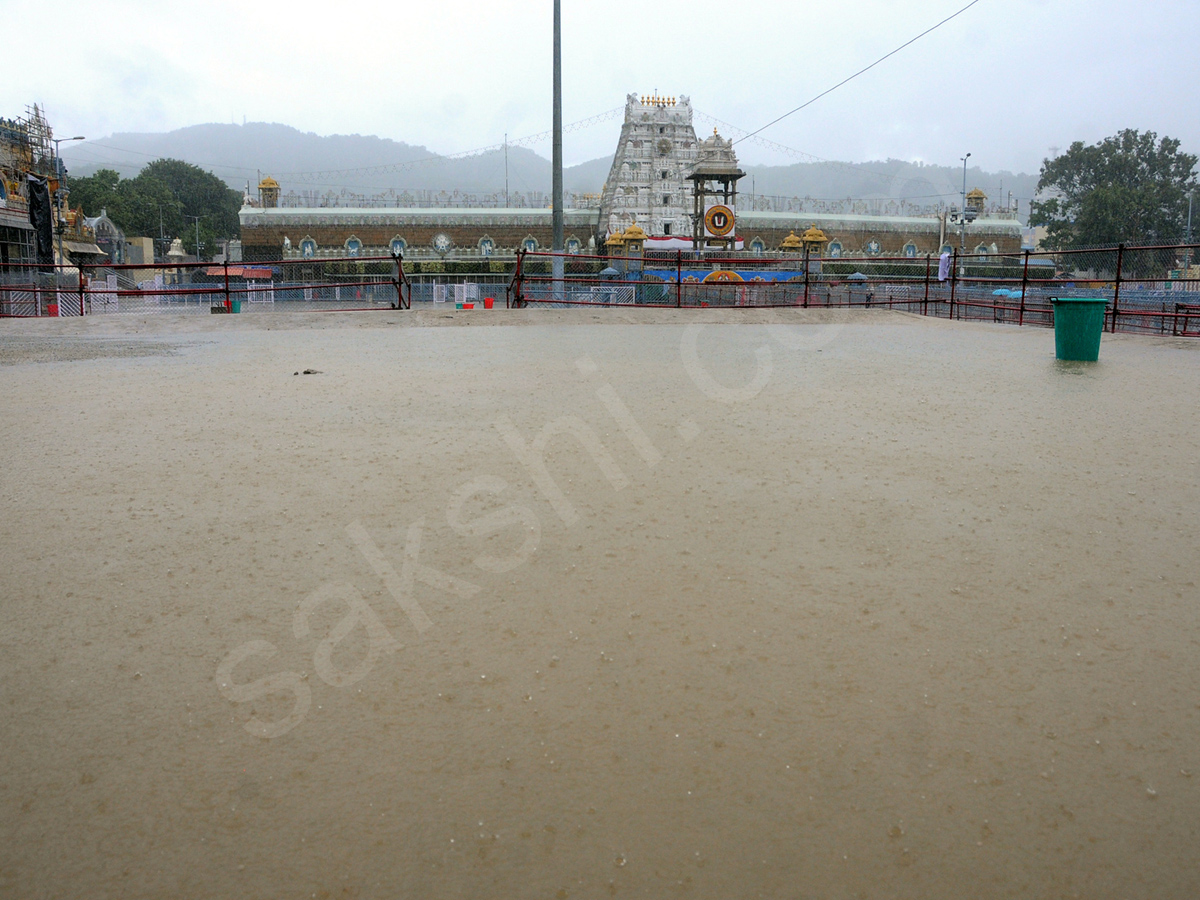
976, 194
634, 233
791, 242
814, 235
615, 240
268, 182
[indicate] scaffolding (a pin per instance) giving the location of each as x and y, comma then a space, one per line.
25, 149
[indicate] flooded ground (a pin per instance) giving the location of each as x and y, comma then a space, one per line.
827, 605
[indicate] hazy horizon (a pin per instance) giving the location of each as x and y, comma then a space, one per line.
312, 165
1005, 82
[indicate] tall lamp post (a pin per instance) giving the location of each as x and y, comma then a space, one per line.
556, 163
60, 172
962, 240
197, 218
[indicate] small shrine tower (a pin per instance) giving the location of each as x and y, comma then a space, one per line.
268, 193
975, 201
714, 180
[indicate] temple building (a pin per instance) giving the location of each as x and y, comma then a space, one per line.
648, 182
25, 154
677, 190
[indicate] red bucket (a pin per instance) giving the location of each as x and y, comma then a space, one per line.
487, 302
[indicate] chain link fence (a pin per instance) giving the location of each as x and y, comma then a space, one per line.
39, 291
1153, 290
1150, 290
203, 288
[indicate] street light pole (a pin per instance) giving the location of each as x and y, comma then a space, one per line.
60, 172
556, 189
962, 241
197, 219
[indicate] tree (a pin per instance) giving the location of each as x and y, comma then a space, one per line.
96, 192
149, 207
1129, 188
165, 195
200, 194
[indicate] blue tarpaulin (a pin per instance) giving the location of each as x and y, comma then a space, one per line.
746, 276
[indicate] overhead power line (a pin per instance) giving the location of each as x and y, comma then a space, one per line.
860, 71
733, 130
856, 168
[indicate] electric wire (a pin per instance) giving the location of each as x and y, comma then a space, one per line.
860, 71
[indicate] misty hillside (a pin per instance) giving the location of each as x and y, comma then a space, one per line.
313, 165
241, 154
924, 185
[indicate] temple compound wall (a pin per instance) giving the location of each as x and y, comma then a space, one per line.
869, 236
286, 233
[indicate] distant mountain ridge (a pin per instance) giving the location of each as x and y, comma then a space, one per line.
366, 165
242, 154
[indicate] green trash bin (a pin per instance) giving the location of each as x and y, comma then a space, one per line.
235, 306
1078, 324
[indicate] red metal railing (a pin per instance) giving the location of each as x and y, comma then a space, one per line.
1142, 293
361, 283
1144, 288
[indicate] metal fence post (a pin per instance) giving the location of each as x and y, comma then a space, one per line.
1117, 286
81, 305
678, 279
925, 302
517, 276
806, 268
953, 281
1024, 288
228, 302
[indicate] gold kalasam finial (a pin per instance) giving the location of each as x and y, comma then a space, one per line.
791, 243
814, 235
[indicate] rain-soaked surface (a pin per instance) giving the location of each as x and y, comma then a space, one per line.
885, 608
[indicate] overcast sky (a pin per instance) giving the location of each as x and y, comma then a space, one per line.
1007, 80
